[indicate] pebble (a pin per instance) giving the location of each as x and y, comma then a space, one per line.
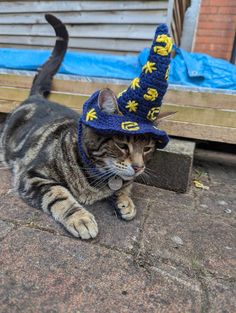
177, 240
222, 202
228, 211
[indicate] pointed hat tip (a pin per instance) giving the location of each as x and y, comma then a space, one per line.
162, 29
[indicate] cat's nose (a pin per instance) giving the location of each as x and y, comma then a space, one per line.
137, 168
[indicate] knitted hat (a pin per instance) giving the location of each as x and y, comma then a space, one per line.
139, 105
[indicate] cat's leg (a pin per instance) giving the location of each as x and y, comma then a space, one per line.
125, 204
56, 200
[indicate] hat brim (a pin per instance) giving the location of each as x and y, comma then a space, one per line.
116, 124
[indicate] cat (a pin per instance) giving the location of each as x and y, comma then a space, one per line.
40, 145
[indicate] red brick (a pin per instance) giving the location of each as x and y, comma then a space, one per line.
218, 3
215, 25
215, 40
206, 9
216, 18
212, 47
215, 32
227, 10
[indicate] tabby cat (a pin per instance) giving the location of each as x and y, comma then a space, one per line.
40, 145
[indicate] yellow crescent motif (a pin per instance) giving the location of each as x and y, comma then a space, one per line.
91, 115
163, 51
153, 113
131, 126
151, 94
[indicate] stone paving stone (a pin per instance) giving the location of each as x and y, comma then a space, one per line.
5, 228
216, 204
112, 230
221, 296
47, 273
207, 243
161, 196
221, 178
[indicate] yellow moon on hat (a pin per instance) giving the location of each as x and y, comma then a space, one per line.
153, 113
131, 126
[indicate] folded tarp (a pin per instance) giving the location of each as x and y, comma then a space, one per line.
187, 69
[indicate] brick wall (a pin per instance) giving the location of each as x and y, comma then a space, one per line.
216, 28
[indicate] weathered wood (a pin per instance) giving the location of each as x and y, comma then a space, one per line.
106, 44
184, 97
199, 131
127, 31
85, 17
52, 6
203, 116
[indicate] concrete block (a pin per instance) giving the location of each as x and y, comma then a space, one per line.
171, 167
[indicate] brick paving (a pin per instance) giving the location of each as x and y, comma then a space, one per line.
178, 255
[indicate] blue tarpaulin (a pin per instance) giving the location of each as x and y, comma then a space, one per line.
187, 69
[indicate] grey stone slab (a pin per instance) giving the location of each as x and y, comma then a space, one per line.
42, 272
112, 230
171, 167
221, 295
162, 196
5, 228
216, 203
208, 244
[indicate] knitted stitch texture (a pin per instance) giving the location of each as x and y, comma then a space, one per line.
140, 103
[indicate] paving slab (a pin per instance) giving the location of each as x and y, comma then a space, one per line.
221, 296
112, 230
5, 228
190, 239
47, 273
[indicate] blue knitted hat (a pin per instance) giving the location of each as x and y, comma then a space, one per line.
139, 105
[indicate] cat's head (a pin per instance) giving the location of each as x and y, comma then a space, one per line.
122, 155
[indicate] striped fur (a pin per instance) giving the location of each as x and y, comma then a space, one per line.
39, 141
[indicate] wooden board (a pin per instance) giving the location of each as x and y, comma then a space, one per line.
94, 26
85, 17
185, 98
126, 31
63, 6
205, 116
89, 43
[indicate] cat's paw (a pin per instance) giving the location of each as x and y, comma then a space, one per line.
82, 224
126, 207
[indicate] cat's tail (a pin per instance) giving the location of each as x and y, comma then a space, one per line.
43, 79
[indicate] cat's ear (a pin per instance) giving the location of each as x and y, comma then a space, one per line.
107, 101
162, 116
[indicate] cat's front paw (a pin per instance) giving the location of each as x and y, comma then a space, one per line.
126, 207
82, 224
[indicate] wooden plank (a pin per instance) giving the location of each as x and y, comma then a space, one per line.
201, 99
88, 43
203, 116
199, 131
69, 86
182, 97
102, 17
63, 6
76, 49
127, 31
20, 94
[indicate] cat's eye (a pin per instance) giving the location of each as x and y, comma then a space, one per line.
122, 145
147, 149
